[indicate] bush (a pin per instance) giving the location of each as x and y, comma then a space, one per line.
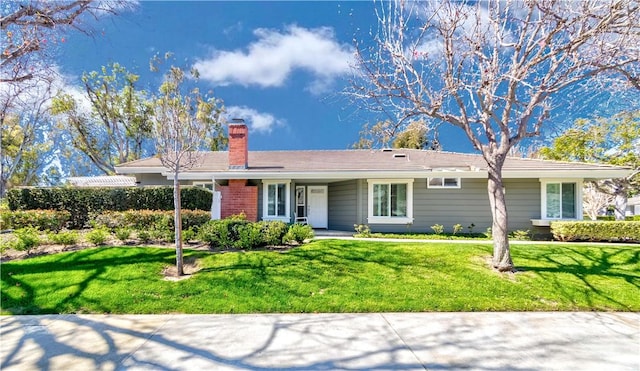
362, 230
149, 219
123, 234
221, 233
80, 202
66, 238
457, 228
26, 239
437, 229
273, 232
41, 219
144, 236
299, 233
521, 235
98, 236
189, 234
596, 231
249, 236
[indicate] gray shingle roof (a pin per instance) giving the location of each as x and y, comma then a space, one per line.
365, 160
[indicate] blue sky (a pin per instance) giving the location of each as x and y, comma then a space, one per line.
280, 65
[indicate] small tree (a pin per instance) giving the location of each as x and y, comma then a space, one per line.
183, 125
495, 70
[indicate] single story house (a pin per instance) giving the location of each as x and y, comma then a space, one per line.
633, 206
391, 190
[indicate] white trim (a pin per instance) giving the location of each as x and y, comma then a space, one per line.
543, 197
443, 186
265, 200
371, 219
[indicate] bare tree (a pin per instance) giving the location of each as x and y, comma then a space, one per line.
594, 200
32, 28
494, 69
183, 124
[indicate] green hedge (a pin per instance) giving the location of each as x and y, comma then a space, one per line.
150, 219
43, 220
613, 231
80, 202
242, 234
613, 218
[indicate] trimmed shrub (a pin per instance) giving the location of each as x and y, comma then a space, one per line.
614, 231
146, 219
97, 236
66, 238
273, 231
80, 202
41, 219
221, 233
249, 236
26, 239
299, 233
123, 234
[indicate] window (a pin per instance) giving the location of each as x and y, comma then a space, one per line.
443, 183
205, 185
276, 201
560, 200
391, 201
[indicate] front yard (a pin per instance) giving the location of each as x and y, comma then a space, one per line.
326, 276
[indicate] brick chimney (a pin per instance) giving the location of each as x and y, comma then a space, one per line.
238, 145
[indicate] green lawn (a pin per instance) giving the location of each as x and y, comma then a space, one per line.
327, 276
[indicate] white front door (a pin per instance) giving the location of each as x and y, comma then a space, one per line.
317, 209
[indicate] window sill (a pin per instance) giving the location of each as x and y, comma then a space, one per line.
389, 220
277, 218
547, 222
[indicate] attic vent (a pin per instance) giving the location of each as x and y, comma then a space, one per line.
399, 155
387, 150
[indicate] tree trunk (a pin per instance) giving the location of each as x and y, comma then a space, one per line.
620, 204
178, 225
501, 252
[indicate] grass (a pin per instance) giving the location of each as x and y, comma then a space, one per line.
327, 276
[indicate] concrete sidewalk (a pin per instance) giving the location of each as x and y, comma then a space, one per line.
388, 341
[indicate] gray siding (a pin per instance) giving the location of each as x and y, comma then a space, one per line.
343, 205
152, 180
467, 205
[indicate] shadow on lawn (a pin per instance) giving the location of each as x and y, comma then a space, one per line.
290, 342
85, 260
587, 264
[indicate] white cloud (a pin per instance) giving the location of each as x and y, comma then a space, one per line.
270, 60
258, 121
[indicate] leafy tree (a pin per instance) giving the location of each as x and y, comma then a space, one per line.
614, 141
182, 126
415, 135
495, 70
117, 126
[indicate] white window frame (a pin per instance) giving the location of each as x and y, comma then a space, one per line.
390, 219
443, 186
205, 184
265, 200
543, 198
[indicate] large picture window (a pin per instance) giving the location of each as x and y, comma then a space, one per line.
390, 201
276, 201
561, 200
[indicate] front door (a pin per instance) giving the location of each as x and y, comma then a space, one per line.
317, 210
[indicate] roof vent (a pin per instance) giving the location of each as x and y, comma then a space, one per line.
399, 155
387, 150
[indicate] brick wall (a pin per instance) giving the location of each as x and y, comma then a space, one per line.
239, 197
